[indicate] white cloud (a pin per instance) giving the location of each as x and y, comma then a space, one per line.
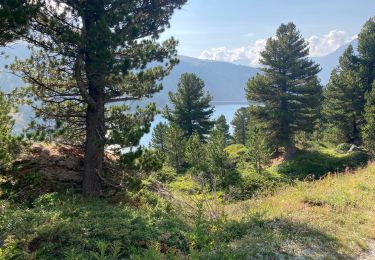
246, 55
328, 43
319, 46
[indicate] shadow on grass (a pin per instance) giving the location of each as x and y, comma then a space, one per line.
71, 227
281, 238
316, 164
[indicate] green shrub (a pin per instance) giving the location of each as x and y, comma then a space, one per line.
235, 152
185, 183
253, 183
61, 226
316, 164
150, 161
22, 188
165, 175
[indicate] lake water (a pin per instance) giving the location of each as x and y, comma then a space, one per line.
226, 110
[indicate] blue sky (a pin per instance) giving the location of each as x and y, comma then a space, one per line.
236, 30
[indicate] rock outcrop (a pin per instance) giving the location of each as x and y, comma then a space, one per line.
54, 164
42, 168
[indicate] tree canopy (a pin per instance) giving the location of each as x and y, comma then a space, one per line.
89, 58
222, 126
344, 98
288, 88
240, 122
191, 109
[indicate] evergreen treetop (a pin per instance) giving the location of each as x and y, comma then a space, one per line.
366, 49
159, 136
191, 107
344, 98
288, 88
240, 122
222, 126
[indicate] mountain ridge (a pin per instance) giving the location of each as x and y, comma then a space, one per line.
225, 81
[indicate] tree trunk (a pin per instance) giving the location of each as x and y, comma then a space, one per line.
290, 150
96, 60
94, 150
356, 134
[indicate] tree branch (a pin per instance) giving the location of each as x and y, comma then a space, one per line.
81, 85
113, 100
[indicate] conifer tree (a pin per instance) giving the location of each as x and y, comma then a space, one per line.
369, 128
240, 124
258, 152
222, 126
366, 50
15, 16
344, 98
159, 137
91, 57
195, 152
191, 107
217, 158
175, 147
288, 88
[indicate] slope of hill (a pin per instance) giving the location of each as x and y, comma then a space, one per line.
225, 81
330, 218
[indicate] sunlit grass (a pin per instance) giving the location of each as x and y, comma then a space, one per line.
333, 217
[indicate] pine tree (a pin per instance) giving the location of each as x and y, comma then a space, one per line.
366, 50
258, 152
195, 152
159, 137
344, 98
288, 88
15, 16
217, 158
222, 126
175, 147
191, 107
90, 58
369, 128
240, 124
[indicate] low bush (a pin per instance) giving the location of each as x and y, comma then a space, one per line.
235, 152
63, 226
165, 175
316, 164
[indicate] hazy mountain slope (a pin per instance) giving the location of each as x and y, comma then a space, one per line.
329, 62
225, 81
